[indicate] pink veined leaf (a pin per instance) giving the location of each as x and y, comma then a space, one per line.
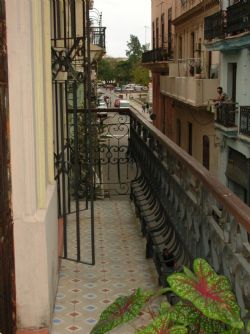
210, 293
123, 309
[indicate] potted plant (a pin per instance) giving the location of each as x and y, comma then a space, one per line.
198, 71
205, 305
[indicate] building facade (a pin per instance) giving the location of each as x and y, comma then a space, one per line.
29, 230
186, 82
227, 31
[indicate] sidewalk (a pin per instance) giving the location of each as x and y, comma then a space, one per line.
138, 107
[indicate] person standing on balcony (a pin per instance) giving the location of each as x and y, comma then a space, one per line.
221, 97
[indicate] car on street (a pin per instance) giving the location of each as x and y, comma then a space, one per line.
124, 104
102, 105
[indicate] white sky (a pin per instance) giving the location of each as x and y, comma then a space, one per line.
122, 19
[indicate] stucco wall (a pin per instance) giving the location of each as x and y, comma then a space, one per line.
202, 124
34, 196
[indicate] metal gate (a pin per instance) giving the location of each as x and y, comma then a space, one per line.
91, 158
7, 284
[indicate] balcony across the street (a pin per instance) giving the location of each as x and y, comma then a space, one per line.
214, 26
245, 120
238, 17
155, 55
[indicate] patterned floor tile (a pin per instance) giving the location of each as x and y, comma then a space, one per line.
84, 290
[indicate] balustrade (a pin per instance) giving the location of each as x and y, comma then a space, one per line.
238, 17
245, 120
225, 114
214, 25
155, 55
210, 220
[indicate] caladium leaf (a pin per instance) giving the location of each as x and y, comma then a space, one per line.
186, 314
123, 309
163, 325
210, 293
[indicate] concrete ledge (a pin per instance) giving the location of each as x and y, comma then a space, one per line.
33, 331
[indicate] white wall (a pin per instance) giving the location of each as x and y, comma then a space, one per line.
34, 199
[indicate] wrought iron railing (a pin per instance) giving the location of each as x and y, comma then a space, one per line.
214, 25
155, 55
245, 120
212, 222
97, 36
238, 17
225, 114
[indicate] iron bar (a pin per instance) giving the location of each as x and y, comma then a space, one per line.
91, 179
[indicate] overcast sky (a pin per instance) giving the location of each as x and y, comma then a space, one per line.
122, 18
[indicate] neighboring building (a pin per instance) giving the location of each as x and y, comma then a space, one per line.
185, 81
28, 191
228, 31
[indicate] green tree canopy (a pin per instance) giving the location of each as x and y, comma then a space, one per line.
106, 69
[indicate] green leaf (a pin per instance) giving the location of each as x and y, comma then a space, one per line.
121, 311
248, 327
163, 324
186, 314
210, 293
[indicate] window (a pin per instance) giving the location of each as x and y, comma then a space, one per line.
180, 47
190, 138
157, 34
232, 77
153, 29
170, 32
205, 152
162, 31
178, 132
192, 45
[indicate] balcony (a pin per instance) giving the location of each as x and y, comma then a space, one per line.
155, 55
245, 120
226, 118
97, 42
230, 27
238, 17
180, 205
156, 59
196, 92
214, 26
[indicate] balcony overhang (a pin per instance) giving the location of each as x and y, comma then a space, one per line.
231, 43
194, 11
230, 132
189, 90
157, 67
96, 52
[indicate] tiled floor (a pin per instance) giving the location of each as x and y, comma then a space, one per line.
84, 291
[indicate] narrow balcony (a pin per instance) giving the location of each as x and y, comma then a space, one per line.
97, 36
226, 118
97, 42
156, 59
214, 26
177, 204
245, 120
238, 17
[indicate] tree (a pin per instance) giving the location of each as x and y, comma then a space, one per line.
106, 69
141, 75
135, 49
123, 72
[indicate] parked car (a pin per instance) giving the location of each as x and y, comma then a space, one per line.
124, 104
102, 105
